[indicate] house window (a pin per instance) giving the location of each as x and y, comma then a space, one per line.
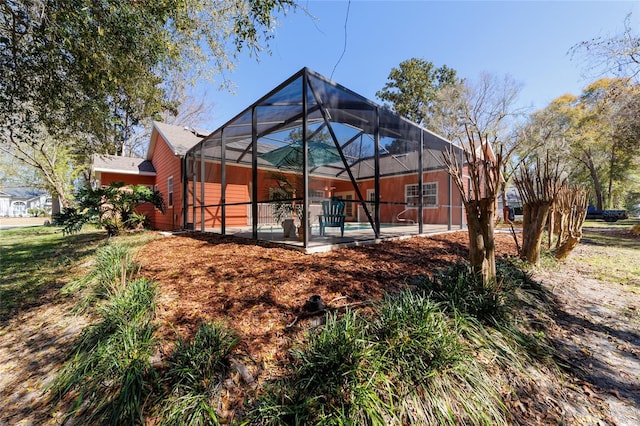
429, 195
316, 196
170, 191
371, 197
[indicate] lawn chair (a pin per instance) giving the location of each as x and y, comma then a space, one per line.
332, 215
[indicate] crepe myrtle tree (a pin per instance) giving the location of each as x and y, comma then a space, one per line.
111, 207
483, 170
538, 184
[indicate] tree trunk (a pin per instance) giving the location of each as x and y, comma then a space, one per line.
597, 186
612, 164
480, 223
572, 206
534, 218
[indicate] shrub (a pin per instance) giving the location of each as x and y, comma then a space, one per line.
407, 365
112, 269
111, 207
197, 369
326, 371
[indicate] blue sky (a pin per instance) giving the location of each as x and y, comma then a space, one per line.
526, 40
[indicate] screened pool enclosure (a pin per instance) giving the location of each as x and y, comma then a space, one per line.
309, 146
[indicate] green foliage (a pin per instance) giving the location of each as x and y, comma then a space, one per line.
407, 365
110, 369
79, 76
411, 89
37, 212
196, 371
595, 134
112, 269
417, 337
462, 290
326, 371
111, 207
31, 256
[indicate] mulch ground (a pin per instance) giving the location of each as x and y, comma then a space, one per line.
260, 290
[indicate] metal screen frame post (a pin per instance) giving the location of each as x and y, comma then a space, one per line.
223, 183
449, 203
421, 184
185, 191
376, 173
202, 171
193, 192
305, 169
254, 172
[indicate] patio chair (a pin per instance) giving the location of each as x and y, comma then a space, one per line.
332, 215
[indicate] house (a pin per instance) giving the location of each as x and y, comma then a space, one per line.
19, 202
161, 169
306, 141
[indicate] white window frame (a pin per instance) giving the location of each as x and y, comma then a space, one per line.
170, 191
429, 195
371, 199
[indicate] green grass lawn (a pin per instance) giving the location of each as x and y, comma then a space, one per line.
37, 261
615, 252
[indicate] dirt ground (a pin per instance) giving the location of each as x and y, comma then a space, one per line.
260, 291
597, 338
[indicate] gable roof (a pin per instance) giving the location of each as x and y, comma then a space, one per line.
125, 165
178, 139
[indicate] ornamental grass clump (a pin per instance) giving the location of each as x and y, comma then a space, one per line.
195, 375
406, 364
112, 269
414, 337
429, 367
461, 290
110, 373
328, 376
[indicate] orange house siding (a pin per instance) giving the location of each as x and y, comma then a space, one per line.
393, 190
107, 178
167, 165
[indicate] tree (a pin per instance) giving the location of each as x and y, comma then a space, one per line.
483, 170
538, 185
570, 209
612, 55
597, 132
53, 164
411, 89
475, 116
485, 105
84, 74
182, 109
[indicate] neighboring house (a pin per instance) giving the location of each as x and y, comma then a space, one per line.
17, 202
161, 169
